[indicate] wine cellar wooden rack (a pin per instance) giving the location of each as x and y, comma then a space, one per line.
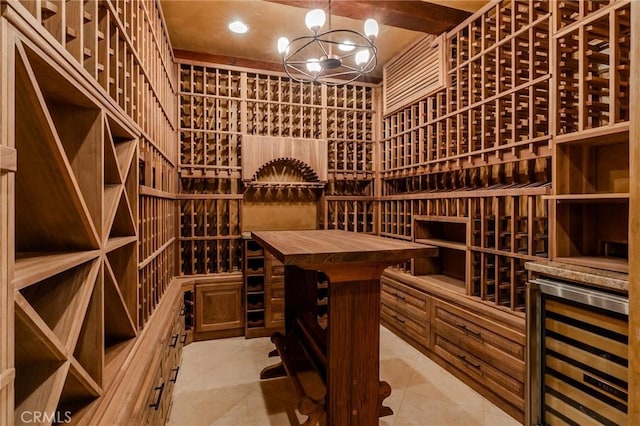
506, 228
478, 151
218, 105
497, 83
62, 254
592, 48
520, 146
95, 124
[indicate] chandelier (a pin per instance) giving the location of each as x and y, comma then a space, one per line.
334, 57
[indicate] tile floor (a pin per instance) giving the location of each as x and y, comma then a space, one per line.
219, 385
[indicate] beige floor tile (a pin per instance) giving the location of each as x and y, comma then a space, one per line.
496, 417
219, 385
259, 409
203, 408
420, 411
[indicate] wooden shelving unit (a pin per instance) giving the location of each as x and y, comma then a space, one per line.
210, 122
217, 107
264, 290
592, 46
449, 234
492, 95
63, 348
210, 237
478, 151
350, 205
95, 119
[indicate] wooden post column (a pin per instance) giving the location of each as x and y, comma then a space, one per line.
634, 220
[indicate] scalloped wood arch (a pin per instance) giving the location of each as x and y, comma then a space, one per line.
309, 155
306, 172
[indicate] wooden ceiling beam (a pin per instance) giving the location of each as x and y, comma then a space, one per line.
408, 14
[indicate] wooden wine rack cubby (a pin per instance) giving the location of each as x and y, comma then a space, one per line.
93, 87
210, 237
75, 270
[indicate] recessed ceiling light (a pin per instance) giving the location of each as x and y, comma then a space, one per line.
238, 27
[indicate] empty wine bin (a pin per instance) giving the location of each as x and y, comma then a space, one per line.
255, 265
489, 208
505, 68
227, 83
228, 255
598, 168
504, 14
476, 274
607, 242
476, 42
505, 224
255, 283
475, 129
521, 60
255, 319
255, 302
197, 80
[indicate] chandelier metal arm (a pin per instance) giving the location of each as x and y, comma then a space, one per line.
323, 57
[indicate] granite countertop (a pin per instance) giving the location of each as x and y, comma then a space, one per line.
614, 281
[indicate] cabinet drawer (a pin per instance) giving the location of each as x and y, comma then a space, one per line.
406, 304
418, 331
477, 341
393, 287
154, 412
277, 310
277, 269
481, 371
487, 332
277, 290
274, 270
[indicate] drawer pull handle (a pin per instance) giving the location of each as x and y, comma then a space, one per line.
175, 341
156, 404
463, 357
177, 370
184, 339
399, 296
398, 319
464, 328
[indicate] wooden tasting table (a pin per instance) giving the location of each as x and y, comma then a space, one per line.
347, 353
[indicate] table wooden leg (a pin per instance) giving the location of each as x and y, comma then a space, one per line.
273, 371
353, 386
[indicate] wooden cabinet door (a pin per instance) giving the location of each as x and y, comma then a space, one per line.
218, 307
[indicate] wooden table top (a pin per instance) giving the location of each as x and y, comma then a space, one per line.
317, 247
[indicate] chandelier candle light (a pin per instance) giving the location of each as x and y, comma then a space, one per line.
334, 57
